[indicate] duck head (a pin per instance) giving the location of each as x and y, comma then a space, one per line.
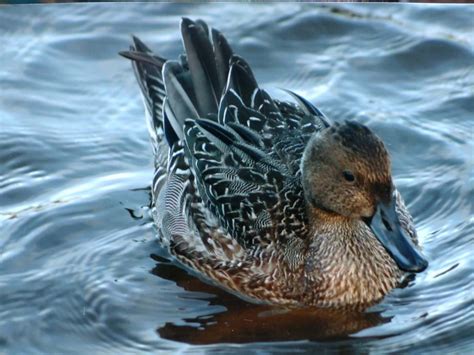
346, 171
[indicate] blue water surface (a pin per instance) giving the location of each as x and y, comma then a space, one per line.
80, 268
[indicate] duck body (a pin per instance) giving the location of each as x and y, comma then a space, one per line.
266, 198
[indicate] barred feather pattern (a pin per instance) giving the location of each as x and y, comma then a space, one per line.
150, 80
236, 211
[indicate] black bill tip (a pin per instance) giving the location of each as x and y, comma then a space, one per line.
386, 226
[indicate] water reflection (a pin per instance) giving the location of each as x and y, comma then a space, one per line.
243, 322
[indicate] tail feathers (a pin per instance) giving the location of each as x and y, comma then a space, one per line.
202, 65
147, 68
179, 96
143, 57
223, 53
197, 85
140, 46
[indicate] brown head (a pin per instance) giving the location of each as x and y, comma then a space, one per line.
346, 171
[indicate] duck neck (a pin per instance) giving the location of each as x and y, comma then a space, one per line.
345, 263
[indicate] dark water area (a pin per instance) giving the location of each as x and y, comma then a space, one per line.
80, 268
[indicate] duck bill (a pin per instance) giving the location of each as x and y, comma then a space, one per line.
387, 228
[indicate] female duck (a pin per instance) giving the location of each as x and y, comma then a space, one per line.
268, 198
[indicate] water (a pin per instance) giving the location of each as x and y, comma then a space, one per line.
80, 268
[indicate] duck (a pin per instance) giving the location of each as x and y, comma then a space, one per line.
268, 199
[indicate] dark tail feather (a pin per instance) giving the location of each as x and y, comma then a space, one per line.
170, 132
223, 54
143, 58
202, 65
179, 96
195, 84
140, 46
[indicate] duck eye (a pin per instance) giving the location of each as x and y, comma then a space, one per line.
348, 175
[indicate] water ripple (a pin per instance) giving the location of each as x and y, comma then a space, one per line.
75, 234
